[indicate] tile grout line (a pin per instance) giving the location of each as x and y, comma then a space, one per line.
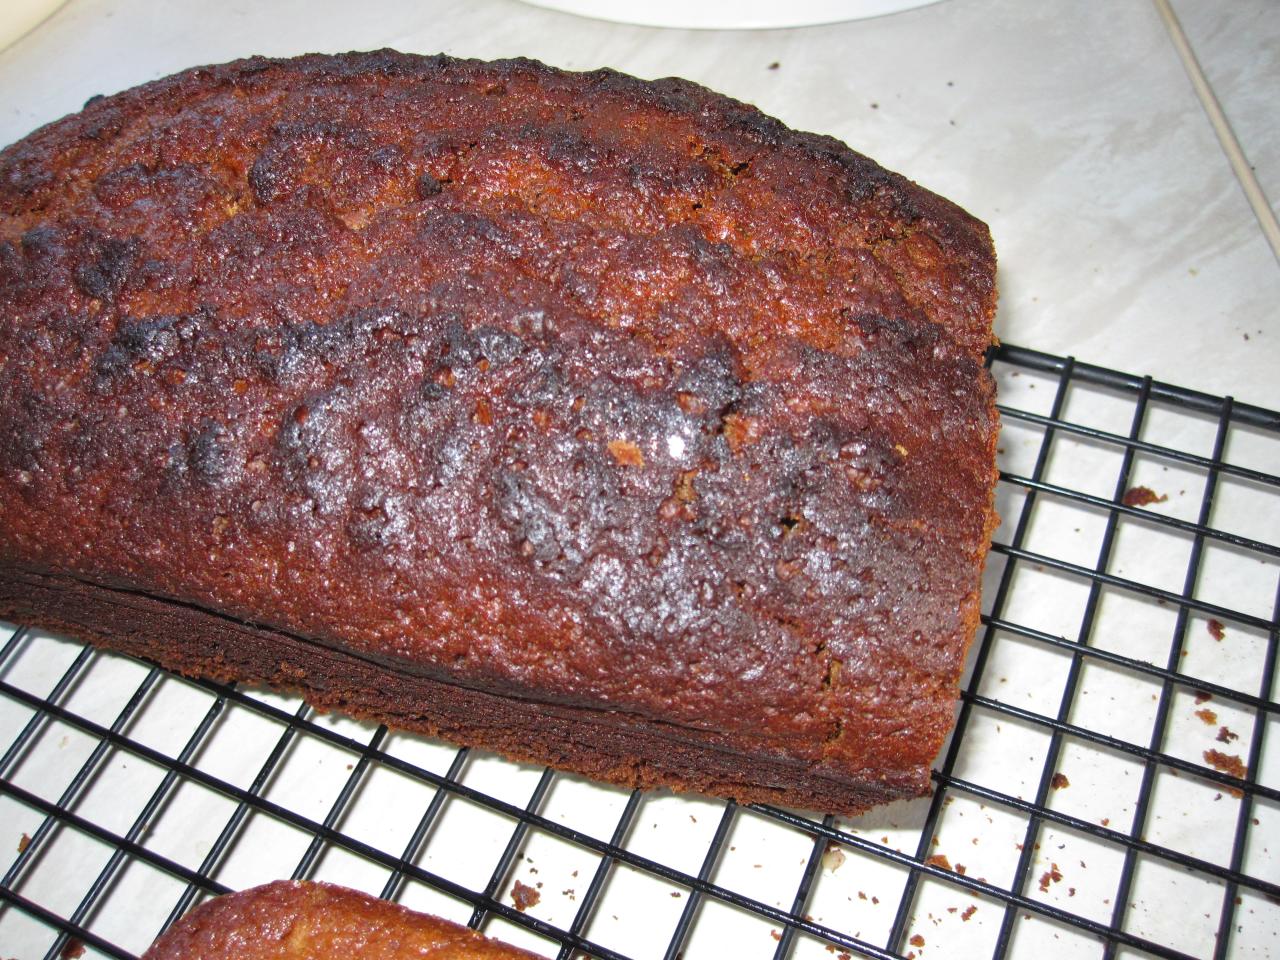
33, 27
1253, 192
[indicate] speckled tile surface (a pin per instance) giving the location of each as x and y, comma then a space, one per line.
1238, 46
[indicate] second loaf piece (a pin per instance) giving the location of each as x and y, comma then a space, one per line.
604, 423
302, 920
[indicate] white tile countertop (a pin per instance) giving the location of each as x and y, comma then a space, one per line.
1126, 239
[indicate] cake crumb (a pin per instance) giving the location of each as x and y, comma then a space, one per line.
524, 896
1217, 629
73, 949
1203, 697
1226, 736
24, 841
917, 940
833, 857
939, 860
1207, 717
1059, 781
969, 911
776, 935
1225, 763
1052, 875
1142, 497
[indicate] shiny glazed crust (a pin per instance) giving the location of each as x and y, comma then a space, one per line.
616, 407
295, 920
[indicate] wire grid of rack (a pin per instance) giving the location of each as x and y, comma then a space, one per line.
1113, 783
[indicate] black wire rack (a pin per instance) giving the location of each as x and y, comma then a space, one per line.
1113, 782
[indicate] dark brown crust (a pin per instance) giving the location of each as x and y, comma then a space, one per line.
296, 920
610, 398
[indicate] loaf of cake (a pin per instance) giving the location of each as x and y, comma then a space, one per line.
603, 423
293, 920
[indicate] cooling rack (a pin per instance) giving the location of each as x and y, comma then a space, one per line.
1112, 788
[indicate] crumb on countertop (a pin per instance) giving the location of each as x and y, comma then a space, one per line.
1142, 497
1227, 763
833, 857
524, 896
1216, 629
1059, 781
1052, 875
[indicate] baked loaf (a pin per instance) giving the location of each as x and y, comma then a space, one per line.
604, 423
294, 920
